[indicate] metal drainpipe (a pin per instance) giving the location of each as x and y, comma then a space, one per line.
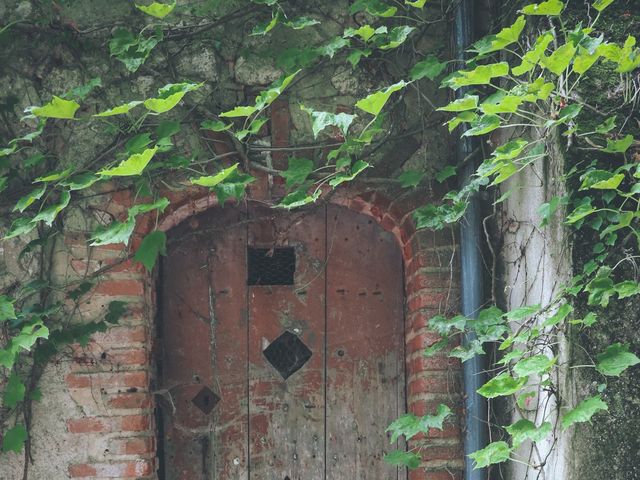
475, 436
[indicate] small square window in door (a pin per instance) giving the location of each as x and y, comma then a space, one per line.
287, 354
271, 266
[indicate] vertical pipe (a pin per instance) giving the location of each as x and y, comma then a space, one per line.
475, 436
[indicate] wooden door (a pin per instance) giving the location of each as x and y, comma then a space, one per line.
281, 342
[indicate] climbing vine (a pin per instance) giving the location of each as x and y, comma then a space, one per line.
523, 82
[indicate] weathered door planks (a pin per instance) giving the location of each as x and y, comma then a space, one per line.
287, 417
346, 305
229, 449
365, 363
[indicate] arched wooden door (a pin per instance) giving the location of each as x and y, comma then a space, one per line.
281, 340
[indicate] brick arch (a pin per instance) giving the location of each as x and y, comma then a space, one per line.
430, 288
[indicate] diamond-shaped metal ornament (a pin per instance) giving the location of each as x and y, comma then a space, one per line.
287, 354
206, 400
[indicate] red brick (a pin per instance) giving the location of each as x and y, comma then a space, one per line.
421, 341
430, 384
130, 400
137, 379
389, 223
429, 280
135, 423
132, 469
432, 299
88, 425
124, 287
439, 362
82, 470
429, 407
141, 446
121, 336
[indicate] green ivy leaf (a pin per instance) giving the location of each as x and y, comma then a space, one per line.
533, 56
334, 46
298, 171
7, 311
134, 165
409, 425
29, 335
133, 50
214, 180
403, 459
299, 198
443, 325
481, 75
215, 125
158, 10
496, 452
233, 187
13, 391
483, 125
265, 27
240, 111
120, 109
410, 178
299, 23
396, 37
28, 199
583, 210
14, 438
526, 430
153, 245
584, 411
585, 60
616, 359
521, 313
534, 365
464, 117
169, 96
20, 226
447, 172
501, 385
254, 127
601, 180
618, 146
550, 8
54, 176
374, 7
430, 68
627, 288
115, 312
322, 120
559, 316
375, 102
606, 126
468, 102
365, 32
560, 59
49, 214
120, 232
357, 168
501, 103
416, 3
80, 181
505, 37
600, 5
83, 91
56, 108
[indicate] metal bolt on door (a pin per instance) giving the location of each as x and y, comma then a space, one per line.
281, 341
